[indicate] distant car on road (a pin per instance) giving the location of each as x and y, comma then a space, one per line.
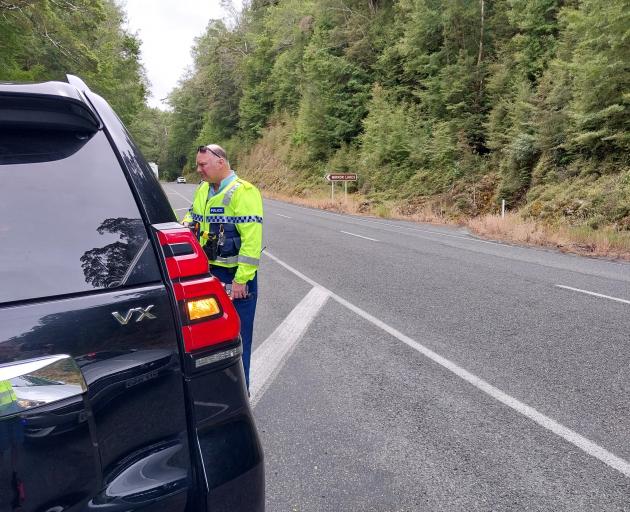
121, 381
181, 179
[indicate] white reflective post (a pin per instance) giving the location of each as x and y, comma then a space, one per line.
345, 189
502, 208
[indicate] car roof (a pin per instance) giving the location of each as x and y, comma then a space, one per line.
53, 88
47, 103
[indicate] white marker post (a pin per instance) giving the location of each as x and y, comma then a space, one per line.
502, 208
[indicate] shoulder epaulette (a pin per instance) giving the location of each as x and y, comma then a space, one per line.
246, 184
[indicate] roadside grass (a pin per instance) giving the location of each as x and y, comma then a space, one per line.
603, 242
318, 201
583, 240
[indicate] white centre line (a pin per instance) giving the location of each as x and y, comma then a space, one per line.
623, 301
381, 224
360, 236
169, 191
180, 209
285, 216
560, 430
269, 358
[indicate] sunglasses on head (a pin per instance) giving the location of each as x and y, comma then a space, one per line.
205, 149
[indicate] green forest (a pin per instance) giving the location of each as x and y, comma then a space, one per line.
458, 104
43, 40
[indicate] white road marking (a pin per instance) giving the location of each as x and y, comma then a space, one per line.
169, 191
269, 358
285, 216
565, 433
417, 233
593, 293
360, 236
323, 214
180, 209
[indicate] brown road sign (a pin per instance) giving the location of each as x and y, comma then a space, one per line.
341, 177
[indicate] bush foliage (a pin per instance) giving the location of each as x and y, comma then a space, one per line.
469, 100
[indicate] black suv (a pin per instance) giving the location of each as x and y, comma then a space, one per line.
121, 383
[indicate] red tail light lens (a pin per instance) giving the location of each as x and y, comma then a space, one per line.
207, 313
184, 255
224, 325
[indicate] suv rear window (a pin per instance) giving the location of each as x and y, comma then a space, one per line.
68, 220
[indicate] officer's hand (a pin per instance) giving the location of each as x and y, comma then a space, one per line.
239, 291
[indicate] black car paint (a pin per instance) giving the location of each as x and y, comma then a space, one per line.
234, 400
184, 437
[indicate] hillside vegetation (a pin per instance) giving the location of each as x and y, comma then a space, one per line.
43, 40
448, 104
444, 108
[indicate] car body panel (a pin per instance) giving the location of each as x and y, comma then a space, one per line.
131, 372
153, 431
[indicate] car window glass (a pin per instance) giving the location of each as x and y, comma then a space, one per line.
68, 220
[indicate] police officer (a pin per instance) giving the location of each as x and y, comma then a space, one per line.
227, 212
8, 400
11, 436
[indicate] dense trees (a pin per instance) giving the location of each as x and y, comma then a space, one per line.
470, 101
427, 97
47, 39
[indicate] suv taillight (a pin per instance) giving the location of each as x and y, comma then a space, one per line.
207, 313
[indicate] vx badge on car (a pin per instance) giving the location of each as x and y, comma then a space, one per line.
143, 313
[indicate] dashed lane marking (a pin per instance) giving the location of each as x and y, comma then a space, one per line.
623, 301
169, 191
581, 442
356, 220
360, 236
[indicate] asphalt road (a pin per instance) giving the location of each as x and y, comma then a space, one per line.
408, 367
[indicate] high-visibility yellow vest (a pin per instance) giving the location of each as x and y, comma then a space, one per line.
7, 395
237, 213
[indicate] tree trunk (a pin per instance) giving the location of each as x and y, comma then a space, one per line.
483, 5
